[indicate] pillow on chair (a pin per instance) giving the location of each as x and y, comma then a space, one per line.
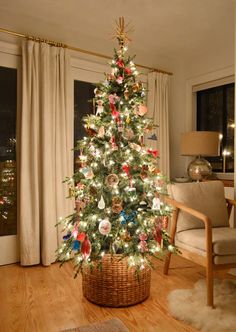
207, 197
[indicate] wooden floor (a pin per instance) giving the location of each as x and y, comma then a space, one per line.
49, 299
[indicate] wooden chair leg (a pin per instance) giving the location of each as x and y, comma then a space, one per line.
210, 286
167, 263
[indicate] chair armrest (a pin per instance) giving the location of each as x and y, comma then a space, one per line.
206, 220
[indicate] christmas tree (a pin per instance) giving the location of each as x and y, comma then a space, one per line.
118, 187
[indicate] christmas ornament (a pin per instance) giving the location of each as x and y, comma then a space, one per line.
101, 203
91, 132
165, 221
119, 80
86, 248
120, 126
143, 175
67, 236
156, 203
99, 110
127, 119
120, 63
143, 237
100, 102
112, 180
76, 245
128, 134
126, 218
81, 236
113, 144
153, 152
136, 86
97, 92
142, 110
80, 205
128, 71
112, 99
142, 206
116, 205
126, 94
101, 132
104, 227
143, 246
87, 172
135, 147
75, 232
92, 191
126, 169
158, 232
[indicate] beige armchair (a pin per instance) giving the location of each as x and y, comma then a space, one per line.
200, 227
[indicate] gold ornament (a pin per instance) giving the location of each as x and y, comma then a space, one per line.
112, 180
126, 94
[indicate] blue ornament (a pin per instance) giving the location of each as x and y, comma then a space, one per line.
66, 237
76, 245
125, 218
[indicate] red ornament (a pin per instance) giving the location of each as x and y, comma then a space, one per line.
113, 143
126, 169
81, 236
143, 246
153, 152
86, 248
165, 220
128, 71
143, 237
120, 63
119, 79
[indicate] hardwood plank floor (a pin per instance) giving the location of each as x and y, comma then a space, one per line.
49, 299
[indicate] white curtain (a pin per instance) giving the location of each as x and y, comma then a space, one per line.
45, 149
158, 109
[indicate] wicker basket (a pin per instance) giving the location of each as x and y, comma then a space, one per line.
115, 285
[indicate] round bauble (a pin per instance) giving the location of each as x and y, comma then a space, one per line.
104, 227
112, 180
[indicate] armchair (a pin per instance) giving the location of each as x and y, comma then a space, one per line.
200, 227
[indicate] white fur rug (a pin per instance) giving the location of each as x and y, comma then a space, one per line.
189, 305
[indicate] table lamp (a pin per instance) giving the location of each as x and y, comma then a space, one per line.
199, 144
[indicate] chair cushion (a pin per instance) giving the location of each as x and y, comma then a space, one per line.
223, 240
206, 197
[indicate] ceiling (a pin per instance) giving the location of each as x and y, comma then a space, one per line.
171, 29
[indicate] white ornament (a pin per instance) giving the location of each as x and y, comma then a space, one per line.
101, 203
156, 203
99, 110
104, 227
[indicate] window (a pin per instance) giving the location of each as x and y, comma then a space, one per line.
215, 112
8, 106
83, 105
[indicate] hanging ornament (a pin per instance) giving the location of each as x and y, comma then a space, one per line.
126, 218
165, 221
156, 203
143, 206
128, 71
119, 79
81, 236
86, 248
80, 205
112, 180
136, 86
100, 102
67, 236
99, 110
127, 119
120, 63
87, 172
142, 110
112, 98
97, 92
143, 175
116, 205
91, 132
120, 126
75, 232
126, 169
153, 152
158, 233
114, 146
143, 246
104, 226
126, 94
101, 132
128, 134
143, 237
135, 147
101, 203
76, 245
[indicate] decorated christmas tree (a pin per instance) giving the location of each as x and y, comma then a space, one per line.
118, 187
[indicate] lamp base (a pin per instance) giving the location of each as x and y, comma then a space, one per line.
199, 169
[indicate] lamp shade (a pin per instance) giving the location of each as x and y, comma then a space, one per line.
200, 143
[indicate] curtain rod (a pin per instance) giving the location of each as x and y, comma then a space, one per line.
73, 48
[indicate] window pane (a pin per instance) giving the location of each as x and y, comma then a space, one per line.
215, 112
8, 104
83, 105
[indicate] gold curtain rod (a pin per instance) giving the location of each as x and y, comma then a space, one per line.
73, 48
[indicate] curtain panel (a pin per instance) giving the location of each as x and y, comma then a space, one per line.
45, 149
158, 109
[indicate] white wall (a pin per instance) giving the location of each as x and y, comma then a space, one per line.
203, 65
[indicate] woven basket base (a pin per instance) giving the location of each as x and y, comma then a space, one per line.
116, 285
